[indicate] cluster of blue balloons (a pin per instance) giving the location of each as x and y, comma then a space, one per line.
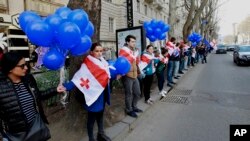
156, 30
64, 31
195, 38
119, 67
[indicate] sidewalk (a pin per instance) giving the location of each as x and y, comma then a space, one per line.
122, 128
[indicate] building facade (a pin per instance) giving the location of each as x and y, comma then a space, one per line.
9, 24
113, 15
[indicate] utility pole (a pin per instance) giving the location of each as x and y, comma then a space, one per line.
234, 33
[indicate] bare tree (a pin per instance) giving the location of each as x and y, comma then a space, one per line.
195, 8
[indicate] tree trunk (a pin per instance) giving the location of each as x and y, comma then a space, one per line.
171, 18
72, 124
193, 16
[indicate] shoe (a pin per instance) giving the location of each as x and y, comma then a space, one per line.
162, 93
92, 140
181, 72
169, 85
149, 102
173, 82
132, 114
176, 77
165, 92
103, 137
138, 110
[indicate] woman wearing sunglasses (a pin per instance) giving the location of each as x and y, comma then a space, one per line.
21, 114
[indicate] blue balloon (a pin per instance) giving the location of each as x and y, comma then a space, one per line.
163, 36
149, 31
166, 28
89, 30
39, 33
54, 21
80, 18
113, 72
157, 32
83, 47
69, 35
194, 44
53, 60
160, 24
153, 23
27, 17
63, 12
122, 65
152, 38
146, 24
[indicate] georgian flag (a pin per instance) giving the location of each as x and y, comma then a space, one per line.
92, 78
129, 54
170, 46
163, 59
145, 60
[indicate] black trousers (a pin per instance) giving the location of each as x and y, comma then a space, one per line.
147, 81
92, 117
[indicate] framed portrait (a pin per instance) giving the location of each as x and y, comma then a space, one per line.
138, 32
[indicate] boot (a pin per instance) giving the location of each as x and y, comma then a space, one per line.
102, 137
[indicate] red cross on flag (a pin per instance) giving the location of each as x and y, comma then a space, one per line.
92, 78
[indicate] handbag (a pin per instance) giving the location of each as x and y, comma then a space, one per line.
38, 131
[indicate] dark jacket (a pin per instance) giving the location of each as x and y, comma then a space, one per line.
12, 118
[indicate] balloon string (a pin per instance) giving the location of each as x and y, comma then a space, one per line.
64, 99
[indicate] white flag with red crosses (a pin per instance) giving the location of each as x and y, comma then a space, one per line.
92, 78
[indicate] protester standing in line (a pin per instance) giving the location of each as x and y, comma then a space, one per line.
130, 81
147, 66
92, 79
170, 46
161, 66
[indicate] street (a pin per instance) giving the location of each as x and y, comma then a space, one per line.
219, 96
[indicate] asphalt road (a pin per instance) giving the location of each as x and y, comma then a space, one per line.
220, 96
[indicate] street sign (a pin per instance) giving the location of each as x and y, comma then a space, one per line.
15, 20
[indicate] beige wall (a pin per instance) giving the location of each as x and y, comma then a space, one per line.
16, 6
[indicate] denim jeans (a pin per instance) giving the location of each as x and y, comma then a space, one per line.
181, 65
189, 61
170, 70
176, 68
161, 80
185, 62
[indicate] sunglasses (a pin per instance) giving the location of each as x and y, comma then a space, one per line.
22, 65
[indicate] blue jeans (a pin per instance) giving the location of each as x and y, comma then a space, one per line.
176, 67
181, 65
161, 80
170, 70
189, 60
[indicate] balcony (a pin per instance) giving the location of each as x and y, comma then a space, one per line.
4, 6
43, 7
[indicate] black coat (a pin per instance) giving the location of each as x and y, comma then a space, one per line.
12, 118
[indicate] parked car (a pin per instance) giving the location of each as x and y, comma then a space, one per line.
242, 55
231, 47
221, 49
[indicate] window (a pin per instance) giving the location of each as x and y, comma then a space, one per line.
109, 0
138, 6
111, 24
146, 9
